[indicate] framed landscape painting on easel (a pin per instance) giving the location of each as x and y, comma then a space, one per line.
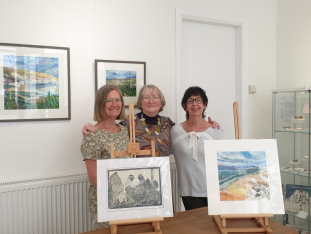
133, 188
243, 177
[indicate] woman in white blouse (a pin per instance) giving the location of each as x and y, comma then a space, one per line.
188, 148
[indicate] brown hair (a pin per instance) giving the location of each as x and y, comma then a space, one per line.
100, 102
153, 88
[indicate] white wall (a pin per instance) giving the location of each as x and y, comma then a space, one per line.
136, 30
293, 44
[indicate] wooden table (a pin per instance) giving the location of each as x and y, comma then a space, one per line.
194, 222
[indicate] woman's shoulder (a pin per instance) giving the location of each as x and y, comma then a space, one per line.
122, 127
168, 119
93, 136
176, 130
214, 132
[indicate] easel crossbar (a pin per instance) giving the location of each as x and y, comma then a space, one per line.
135, 221
245, 230
238, 216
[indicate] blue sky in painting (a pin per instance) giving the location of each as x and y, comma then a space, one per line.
116, 74
241, 159
39, 64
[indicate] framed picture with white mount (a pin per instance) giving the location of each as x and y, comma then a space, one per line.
34, 83
129, 76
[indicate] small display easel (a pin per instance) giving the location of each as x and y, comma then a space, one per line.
133, 150
261, 219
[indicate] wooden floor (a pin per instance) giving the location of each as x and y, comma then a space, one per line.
194, 222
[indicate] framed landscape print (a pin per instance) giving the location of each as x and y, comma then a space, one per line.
133, 188
243, 177
129, 76
34, 83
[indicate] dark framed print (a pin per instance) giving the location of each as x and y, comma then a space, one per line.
34, 83
129, 76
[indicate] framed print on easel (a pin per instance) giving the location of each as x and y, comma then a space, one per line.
243, 177
129, 76
133, 188
34, 83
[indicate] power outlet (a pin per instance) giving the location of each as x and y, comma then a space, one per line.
252, 89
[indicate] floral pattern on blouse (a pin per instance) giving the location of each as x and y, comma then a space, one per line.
96, 146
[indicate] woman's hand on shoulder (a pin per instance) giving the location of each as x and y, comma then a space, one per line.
88, 127
214, 124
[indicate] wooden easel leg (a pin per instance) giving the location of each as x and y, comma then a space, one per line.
114, 228
156, 226
264, 223
219, 224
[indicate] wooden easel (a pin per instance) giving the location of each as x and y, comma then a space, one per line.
261, 219
132, 147
133, 150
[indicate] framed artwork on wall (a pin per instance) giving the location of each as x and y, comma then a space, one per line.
243, 177
133, 188
34, 83
129, 76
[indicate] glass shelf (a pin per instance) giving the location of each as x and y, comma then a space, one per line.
287, 172
291, 132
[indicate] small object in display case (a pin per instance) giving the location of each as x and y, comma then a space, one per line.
287, 128
298, 119
302, 214
304, 172
296, 170
286, 169
295, 162
305, 158
298, 130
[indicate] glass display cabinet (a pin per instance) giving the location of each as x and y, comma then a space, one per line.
291, 128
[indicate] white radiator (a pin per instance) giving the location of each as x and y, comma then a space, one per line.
45, 206
176, 199
53, 205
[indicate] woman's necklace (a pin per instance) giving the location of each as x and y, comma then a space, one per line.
157, 131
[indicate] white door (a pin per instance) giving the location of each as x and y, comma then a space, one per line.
208, 60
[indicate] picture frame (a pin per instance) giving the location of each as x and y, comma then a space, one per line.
129, 76
34, 83
243, 177
133, 188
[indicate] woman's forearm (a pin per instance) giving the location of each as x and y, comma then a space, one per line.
91, 167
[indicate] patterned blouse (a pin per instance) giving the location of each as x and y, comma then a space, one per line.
156, 128
96, 146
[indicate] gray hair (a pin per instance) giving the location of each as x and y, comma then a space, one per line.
153, 88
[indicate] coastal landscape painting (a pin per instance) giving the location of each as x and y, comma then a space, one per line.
129, 76
30, 82
133, 188
243, 175
125, 80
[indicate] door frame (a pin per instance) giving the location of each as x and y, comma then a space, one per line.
241, 71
